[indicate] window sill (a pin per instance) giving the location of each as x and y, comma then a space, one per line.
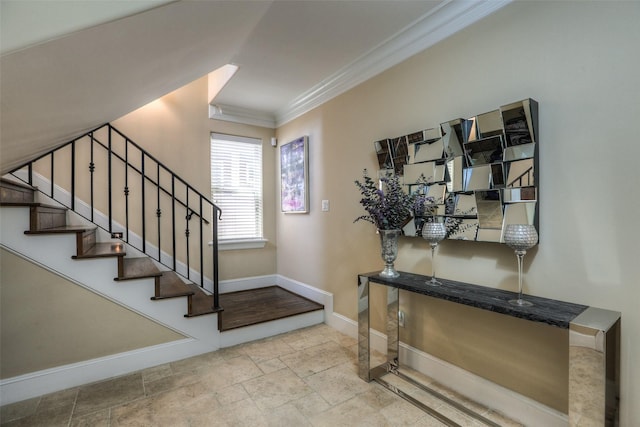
228, 245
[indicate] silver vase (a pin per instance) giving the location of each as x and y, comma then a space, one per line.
389, 252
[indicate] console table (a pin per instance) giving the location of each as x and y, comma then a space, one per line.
594, 342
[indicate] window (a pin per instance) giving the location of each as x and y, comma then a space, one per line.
236, 187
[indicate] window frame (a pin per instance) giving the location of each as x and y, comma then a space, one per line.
255, 242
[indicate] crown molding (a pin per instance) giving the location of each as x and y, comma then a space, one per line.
447, 19
247, 116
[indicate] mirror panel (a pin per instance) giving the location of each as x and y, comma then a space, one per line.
484, 151
522, 194
462, 229
427, 151
469, 130
438, 192
489, 235
400, 153
520, 122
521, 174
497, 175
490, 124
465, 205
432, 134
455, 171
478, 178
519, 213
383, 152
519, 152
482, 171
440, 172
452, 137
489, 208
419, 172
414, 227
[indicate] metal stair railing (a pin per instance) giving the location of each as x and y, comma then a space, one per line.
82, 174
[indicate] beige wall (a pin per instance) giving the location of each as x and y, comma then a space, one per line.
579, 61
176, 129
66, 323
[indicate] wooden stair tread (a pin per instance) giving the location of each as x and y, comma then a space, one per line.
200, 302
254, 306
138, 268
15, 192
10, 182
102, 250
33, 205
18, 204
171, 286
67, 229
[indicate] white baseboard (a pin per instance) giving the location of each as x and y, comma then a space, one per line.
246, 283
310, 292
38, 383
476, 388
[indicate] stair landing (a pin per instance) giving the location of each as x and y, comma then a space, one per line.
250, 307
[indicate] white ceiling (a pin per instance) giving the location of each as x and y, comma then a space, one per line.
68, 66
26, 23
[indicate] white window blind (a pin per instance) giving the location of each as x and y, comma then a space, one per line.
236, 185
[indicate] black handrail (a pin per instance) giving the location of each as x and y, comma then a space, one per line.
114, 160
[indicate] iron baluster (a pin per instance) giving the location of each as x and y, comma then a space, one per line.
52, 173
92, 168
109, 183
187, 232
73, 175
144, 235
173, 218
216, 299
201, 248
126, 188
158, 211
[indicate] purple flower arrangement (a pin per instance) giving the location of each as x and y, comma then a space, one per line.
389, 207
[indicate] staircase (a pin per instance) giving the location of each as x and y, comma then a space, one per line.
52, 220
244, 308
105, 214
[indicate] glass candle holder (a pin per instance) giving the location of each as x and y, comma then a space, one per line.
433, 232
520, 238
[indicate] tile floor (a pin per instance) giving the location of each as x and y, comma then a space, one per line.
303, 378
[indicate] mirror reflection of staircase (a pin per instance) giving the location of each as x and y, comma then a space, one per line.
237, 309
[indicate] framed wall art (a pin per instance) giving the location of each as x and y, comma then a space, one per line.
294, 176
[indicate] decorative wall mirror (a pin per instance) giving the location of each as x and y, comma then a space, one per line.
481, 172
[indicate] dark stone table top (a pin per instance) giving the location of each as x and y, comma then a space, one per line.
544, 310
